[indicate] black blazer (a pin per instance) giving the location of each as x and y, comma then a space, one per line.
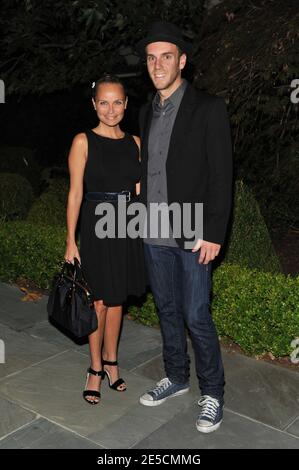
199, 161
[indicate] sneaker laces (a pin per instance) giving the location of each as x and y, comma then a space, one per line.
161, 386
210, 407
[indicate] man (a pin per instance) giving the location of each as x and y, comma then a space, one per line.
186, 158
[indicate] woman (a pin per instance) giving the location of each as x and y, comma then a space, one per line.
104, 162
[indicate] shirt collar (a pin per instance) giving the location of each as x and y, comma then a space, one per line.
174, 99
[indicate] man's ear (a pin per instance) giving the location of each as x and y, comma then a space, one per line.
183, 60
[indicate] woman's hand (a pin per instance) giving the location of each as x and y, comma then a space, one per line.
72, 252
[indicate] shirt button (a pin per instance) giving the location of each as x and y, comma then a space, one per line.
163, 113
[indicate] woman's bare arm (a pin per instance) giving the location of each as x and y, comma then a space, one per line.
76, 161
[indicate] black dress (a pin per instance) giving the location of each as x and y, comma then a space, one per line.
113, 267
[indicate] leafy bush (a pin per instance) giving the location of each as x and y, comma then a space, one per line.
145, 313
30, 251
247, 55
50, 207
81, 39
257, 310
16, 196
20, 160
59, 187
51, 174
249, 242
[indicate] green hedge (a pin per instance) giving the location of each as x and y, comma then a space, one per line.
249, 243
21, 161
50, 207
257, 310
31, 251
16, 196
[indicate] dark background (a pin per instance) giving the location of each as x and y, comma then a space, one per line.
244, 51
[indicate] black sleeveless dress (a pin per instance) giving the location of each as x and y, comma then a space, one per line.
113, 267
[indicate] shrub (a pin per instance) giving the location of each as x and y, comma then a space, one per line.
20, 160
257, 310
31, 251
16, 196
59, 187
146, 312
247, 55
50, 207
249, 242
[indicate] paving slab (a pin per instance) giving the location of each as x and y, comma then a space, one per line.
54, 390
236, 432
43, 434
136, 424
138, 344
46, 331
13, 417
18, 314
22, 350
293, 428
260, 390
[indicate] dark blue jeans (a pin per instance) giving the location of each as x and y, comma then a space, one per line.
181, 289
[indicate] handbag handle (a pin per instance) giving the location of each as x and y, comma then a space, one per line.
75, 275
77, 270
72, 269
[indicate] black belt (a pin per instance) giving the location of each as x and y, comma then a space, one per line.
109, 196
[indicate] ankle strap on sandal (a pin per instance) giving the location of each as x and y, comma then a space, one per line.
95, 372
109, 363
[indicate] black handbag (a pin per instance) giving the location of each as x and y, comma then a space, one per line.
70, 302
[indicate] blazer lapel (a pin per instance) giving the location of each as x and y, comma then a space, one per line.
182, 120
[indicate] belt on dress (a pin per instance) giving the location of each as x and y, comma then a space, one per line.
109, 196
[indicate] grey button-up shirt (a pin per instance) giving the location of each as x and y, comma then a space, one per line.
158, 145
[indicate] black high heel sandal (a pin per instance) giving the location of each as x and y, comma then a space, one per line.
93, 393
118, 382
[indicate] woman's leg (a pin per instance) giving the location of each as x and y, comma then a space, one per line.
95, 347
111, 335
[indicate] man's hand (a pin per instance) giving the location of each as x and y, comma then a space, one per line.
208, 251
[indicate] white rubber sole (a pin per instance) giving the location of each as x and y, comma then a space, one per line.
208, 429
159, 402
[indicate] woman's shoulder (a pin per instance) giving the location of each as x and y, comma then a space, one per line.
80, 139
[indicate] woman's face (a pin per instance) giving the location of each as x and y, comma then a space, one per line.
110, 103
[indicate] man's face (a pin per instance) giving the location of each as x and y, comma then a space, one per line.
164, 64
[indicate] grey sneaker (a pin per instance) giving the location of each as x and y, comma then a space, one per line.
163, 390
211, 414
